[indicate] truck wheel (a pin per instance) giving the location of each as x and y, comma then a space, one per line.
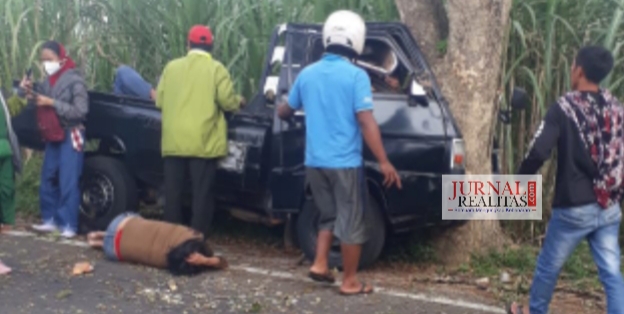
307, 232
107, 191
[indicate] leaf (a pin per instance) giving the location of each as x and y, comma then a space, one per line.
63, 294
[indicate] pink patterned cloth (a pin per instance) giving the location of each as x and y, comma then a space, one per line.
599, 118
77, 139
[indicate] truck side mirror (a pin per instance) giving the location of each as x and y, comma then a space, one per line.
519, 99
418, 95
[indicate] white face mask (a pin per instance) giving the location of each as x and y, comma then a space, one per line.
51, 67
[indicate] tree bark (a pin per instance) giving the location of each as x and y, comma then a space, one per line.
469, 75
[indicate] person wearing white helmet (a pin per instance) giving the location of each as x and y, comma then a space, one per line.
337, 98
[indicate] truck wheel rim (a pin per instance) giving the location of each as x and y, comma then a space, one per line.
97, 196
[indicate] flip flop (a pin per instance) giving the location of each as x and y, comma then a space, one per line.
327, 277
362, 291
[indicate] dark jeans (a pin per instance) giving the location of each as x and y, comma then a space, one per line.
129, 82
202, 173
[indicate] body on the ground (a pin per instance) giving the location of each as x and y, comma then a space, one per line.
131, 238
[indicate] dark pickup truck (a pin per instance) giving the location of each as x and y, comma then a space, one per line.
262, 178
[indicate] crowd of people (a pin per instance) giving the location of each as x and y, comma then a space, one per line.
586, 126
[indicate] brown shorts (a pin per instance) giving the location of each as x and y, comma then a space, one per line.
341, 196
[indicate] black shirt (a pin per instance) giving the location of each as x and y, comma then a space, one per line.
575, 167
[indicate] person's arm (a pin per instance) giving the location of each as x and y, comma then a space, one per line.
226, 98
78, 108
543, 142
363, 107
286, 110
160, 89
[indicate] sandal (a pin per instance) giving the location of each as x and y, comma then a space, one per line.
362, 290
327, 277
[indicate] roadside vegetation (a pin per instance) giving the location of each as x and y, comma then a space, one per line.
102, 34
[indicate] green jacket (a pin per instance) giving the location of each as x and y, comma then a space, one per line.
193, 93
5, 146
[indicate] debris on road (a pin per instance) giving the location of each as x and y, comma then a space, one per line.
483, 283
505, 277
82, 268
172, 285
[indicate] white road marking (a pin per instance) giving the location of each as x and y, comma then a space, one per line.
482, 308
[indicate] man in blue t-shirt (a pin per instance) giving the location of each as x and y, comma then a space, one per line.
337, 99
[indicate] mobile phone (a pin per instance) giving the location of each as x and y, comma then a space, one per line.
29, 73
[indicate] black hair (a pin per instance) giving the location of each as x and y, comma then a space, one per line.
342, 51
52, 45
204, 47
176, 258
597, 62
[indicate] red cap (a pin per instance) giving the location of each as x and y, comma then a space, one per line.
200, 34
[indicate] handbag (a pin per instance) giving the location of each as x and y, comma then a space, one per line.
49, 125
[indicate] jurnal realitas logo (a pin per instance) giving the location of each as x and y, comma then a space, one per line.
487, 197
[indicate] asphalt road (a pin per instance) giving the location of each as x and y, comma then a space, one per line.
41, 282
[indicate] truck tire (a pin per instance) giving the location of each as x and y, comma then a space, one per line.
307, 232
107, 191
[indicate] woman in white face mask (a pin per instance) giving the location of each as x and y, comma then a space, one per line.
62, 105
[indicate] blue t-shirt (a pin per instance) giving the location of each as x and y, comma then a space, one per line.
331, 92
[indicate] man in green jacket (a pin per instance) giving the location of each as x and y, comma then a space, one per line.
193, 93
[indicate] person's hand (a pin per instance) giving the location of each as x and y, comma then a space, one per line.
195, 259
44, 101
26, 85
391, 177
393, 82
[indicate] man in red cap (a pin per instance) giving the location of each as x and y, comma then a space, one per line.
193, 93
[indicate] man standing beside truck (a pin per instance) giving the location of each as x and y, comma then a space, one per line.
338, 103
193, 93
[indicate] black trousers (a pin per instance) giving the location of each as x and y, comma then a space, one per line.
202, 173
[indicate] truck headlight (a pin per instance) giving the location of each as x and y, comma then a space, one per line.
235, 159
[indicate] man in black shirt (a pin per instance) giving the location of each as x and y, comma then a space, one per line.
586, 125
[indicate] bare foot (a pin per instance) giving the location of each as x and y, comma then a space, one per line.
514, 308
4, 269
356, 288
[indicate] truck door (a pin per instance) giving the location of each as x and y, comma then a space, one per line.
287, 178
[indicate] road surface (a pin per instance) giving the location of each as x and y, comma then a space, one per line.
42, 283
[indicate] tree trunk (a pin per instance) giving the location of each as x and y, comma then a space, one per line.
469, 75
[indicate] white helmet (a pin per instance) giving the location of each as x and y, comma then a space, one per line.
345, 28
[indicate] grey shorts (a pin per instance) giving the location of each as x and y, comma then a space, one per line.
341, 196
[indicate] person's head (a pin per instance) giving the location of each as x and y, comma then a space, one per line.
176, 258
200, 37
591, 65
344, 33
54, 57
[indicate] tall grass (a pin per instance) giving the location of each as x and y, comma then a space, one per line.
146, 34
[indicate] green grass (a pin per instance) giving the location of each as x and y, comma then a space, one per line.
578, 272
